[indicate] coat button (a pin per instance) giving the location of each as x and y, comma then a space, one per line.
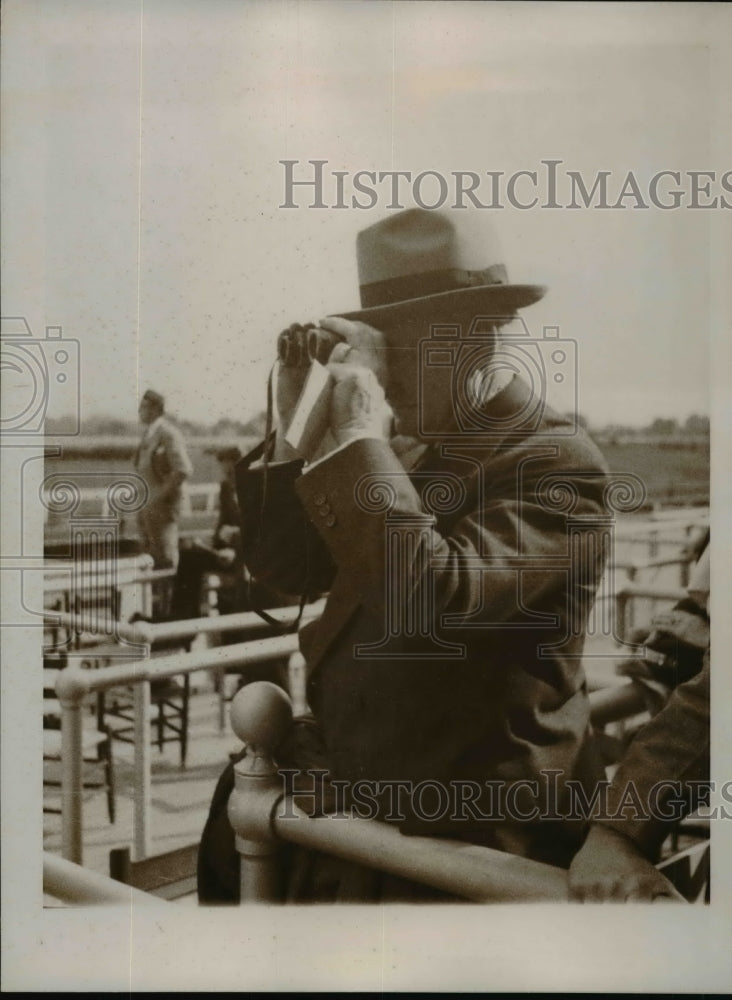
324, 510
319, 499
330, 520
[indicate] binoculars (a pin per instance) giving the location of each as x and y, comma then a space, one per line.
298, 346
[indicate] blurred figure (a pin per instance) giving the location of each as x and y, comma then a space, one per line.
666, 765
162, 461
675, 643
223, 555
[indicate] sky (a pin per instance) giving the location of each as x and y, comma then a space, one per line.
142, 181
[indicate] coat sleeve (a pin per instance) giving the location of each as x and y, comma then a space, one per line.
279, 545
664, 774
501, 557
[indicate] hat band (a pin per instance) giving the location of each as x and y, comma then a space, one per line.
416, 286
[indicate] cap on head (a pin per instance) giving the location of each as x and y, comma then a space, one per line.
154, 399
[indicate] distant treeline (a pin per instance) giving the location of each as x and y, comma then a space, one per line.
111, 427
695, 427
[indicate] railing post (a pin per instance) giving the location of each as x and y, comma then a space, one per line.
220, 682
653, 544
141, 819
119, 864
146, 601
621, 603
628, 616
261, 714
685, 561
71, 690
297, 682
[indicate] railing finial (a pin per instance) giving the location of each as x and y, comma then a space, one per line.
261, 715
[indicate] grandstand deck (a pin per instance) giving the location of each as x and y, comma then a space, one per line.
180, 797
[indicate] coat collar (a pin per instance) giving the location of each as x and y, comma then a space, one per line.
451, 452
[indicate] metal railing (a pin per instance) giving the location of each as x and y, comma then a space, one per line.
126, 568
77, 585
73, 686
70, 883
80, 682
660, 532
633, 568
630, 592
155, 633
468, 871
493, 877
197, 498
199, 506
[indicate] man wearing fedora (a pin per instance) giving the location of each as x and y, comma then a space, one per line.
162, 461
448, 657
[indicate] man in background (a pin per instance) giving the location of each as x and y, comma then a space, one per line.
162, 461
222, 556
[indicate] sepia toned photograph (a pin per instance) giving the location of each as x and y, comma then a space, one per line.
364, 411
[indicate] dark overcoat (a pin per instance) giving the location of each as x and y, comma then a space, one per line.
448, 657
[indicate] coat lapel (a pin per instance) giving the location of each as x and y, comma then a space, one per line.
344, 599
462, 460
343, 602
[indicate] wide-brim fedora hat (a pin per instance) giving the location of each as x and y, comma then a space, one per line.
430, 262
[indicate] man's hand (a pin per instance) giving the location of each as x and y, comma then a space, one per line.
610, 868
229, 535
358, 407
367, 345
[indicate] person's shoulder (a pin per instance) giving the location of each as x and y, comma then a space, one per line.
570, 443
553, 442
530, 430
170, 432
579, 448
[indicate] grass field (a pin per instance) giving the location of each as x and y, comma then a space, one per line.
102, 456
670, 474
